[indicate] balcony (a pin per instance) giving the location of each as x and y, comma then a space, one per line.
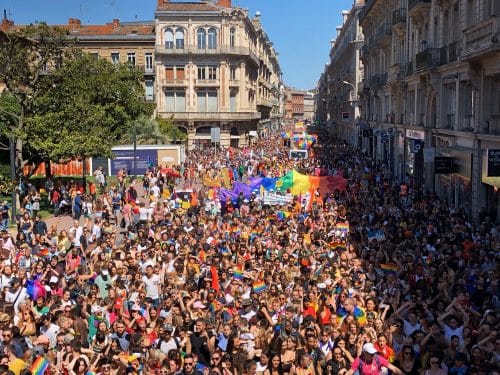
397, 73
481, 38
264, 102
174, 82
492, 126
378, 80
448, 53
384, 33
427, 59
207, 83
399, 17
414, 5
220, 50
211, 116
234, 83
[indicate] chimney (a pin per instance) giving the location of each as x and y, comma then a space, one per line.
161, 2
224, 3
116, 23
6, 23
75, 23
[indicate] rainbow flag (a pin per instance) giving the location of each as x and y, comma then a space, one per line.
282, 215
389, 268
238, 273
343, 227
259, 286
299, 183
43, 252
39, 366
360, 315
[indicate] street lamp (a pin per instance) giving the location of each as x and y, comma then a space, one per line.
350, 84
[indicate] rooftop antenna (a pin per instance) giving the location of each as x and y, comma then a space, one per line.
136, 18
5, 14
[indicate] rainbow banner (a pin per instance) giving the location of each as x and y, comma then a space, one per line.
389, 268
299, 183
259, 286
39, 366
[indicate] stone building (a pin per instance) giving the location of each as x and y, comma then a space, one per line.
431, 96
215, 68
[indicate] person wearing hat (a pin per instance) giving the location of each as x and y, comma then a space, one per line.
370, 363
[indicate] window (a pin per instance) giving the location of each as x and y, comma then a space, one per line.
232, 73
207, 101
149, 61
232, 36
169, 39
174, 72
212, 38
202, 72
131, 58
95, 55
149, 90
115, 57
175, 100
202, 38
179, 39
232, 102
212, 73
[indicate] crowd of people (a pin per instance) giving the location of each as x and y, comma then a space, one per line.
146, 282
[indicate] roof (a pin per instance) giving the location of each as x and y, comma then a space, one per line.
188, 6
114, 28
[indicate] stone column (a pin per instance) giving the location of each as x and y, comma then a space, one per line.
225, 138
191, 132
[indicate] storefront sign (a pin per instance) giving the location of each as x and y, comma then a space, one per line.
493, 163
443, 165
415, 134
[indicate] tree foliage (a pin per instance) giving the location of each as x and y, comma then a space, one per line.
171, 131
85, 108
146, 131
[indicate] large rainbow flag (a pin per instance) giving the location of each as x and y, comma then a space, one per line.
299, 183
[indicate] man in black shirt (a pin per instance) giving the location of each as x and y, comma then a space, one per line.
202, 345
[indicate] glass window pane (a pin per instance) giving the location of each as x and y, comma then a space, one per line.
212, 101
169, 39
202, 39
149, 90
169, 101
179, 39
232, 102
212, 38
202, 102
180, 101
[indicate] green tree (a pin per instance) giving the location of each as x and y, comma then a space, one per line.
86, 107
146, 131
26, 56
171, 131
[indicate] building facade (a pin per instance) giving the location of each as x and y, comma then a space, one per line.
118, 42
309, 106
294, 103
215, 68
431, 94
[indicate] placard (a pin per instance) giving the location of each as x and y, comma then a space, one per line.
215, 135
493, 163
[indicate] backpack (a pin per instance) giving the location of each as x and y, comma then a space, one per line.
359, 370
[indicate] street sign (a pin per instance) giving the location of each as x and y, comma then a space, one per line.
493, 163
443, 165
215, 135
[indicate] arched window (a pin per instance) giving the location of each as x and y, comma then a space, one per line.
212, 38
232, 37
169, 39
179, 39
201, 35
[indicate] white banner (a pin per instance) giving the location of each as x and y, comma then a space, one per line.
273, 199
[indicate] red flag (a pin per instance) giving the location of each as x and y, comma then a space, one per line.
215, 278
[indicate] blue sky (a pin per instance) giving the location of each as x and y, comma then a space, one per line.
300, 29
